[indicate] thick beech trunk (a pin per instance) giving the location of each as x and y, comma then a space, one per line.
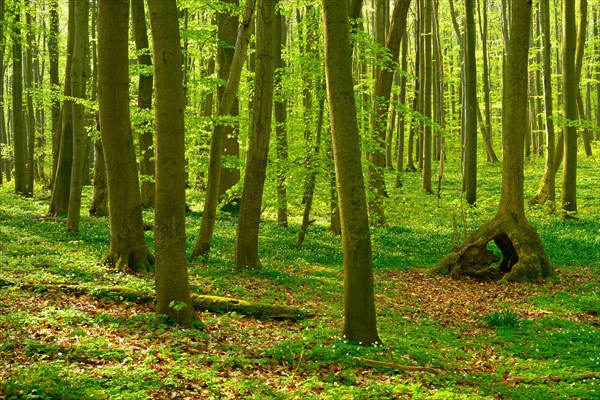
523, 255
359, 302
128, 250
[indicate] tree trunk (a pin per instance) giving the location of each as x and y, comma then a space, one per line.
570, 90
280, 122
128, 250
311, 180
359, 303
2, 120
100, 193
30, 111
427, 97
230, 172
19, 128
581, 33
470, 104
246, 243
211, 201
487, 124
172, 286
402, 113
523, 255
381, 99
144, 102
547, 189
53, 55
59, 203
78, 83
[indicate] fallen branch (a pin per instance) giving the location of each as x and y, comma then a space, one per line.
547, 378
412, 368
216, 304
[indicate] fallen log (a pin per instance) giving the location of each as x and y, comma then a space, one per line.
200, 302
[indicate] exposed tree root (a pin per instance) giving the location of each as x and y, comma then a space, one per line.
523, 254
200, 302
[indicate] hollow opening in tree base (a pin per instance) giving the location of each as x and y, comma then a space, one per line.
506, 248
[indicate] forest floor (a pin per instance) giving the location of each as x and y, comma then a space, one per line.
484, 340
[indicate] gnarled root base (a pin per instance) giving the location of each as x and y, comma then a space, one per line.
139, 261
523, 255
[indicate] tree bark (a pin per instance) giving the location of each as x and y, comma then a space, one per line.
280, 122
2, 120
211, 201
359, 303
19, 128
78, 83
246, 243
580, 49
547, 189
381, 99
523, 255
470, 104
144, 102
230, 172
570, 89
172, 286
128, 250
59, 203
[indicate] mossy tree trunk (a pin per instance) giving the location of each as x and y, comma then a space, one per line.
359, 302
128, 250
523, 255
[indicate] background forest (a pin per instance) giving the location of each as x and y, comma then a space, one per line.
234, 199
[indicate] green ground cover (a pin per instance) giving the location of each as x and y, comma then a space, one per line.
480, 335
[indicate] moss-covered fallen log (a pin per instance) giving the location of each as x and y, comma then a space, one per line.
200, 302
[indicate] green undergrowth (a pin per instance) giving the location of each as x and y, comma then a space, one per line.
61, 345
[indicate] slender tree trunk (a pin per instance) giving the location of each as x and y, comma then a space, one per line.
383, 88
29, 111
547, 189
230, 174
53, 55
246, 243
280, 121
128, 250
59, 204
402, 113
597, 51
78, 82
427, 97
312, 175
570, 89
470, 103
144, 102
359, 303
581, 33
19, 127
211, 201
172, 287
2, 120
